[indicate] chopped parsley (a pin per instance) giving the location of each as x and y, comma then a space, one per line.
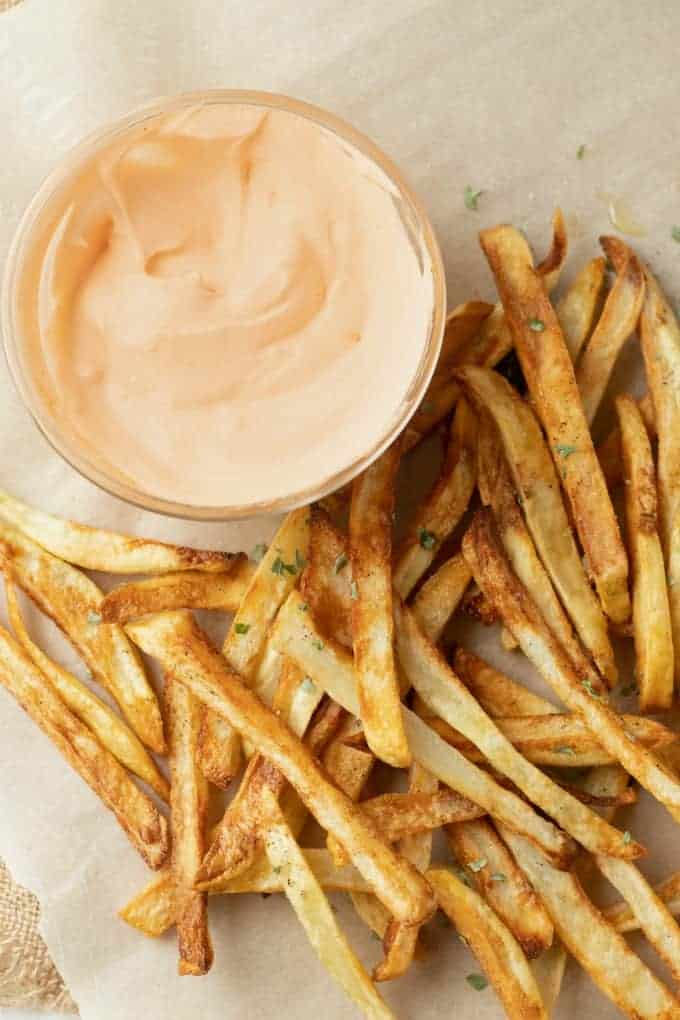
93, 617
303, 607
675, 234
564, 750
340, 563
427, 538
258, 552
281, 568
627, 837
353, 591
580, 152
587, 684
308, 685
471, 198
277, 870
477, 865
565, 449
498, 876
477, 981
536, 325
319, 645
241, 628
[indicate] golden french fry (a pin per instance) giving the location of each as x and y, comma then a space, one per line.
609, 450
497, 693
188, 804
98, 549
400, 815
617, 322
579, 307
448, 697
500, 956
443, 508
72, 600
660, 336
624, 919
189, 589
437, 599
494, 575
327, 581
653, 915
538, 490
330, 666
115, 735
651, 610
145, 827
494, 873
550, 376
600, 950
183, 650
370, 547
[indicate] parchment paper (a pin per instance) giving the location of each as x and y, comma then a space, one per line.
498, 96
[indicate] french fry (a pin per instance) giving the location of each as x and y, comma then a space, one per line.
72, 600
624, 919
114, 734
548, 970
188, 804
370, 545
443, 508
184, 651
496, 489
399, 816
660, 336
331, 667
189, 589
437, 599
494, 946
600, 950
276, 574
497, 693
493, 872
557, 740
654, 917
314, 913
651, 610
451, 701
550, 376
496, 578
578, 308
616, 324
609, 450
326, 581
144, 826
538, 490
98, 549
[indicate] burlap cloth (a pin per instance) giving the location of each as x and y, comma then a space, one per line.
28, 977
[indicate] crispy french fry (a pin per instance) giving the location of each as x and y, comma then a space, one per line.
601, 951
654, 917
114, 734
437, 599
651, 610
538, 490
617, 322
72, 600
327, 578
558, 740
451, 701
494, 873
98, 549
492, 572
401, 815
660, 336
550, 376
624, 919
370, 546
609, 450
494, 946
331, 667
443, 508
183, 650
189, 589
578, 308
188, 804
145, 827
314, 913
497, 693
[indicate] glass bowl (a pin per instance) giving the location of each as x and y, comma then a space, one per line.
17, 281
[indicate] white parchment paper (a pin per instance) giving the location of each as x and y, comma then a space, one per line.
496, 95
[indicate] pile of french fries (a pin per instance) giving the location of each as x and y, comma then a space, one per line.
337, 657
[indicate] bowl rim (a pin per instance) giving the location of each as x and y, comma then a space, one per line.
117, 486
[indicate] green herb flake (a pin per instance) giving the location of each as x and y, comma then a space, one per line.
565, 449
303, 607
427, 539
340, 563
281, 568
580, 152
626, 838
564, 750
308, 685
353, 591
277, 870
498, 876
258, 552
319, 645
241, 628
471, 198
536, 325
477, 981
477, 865
93, 617
675, 234
591, 690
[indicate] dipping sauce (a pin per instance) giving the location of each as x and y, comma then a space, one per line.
225, 304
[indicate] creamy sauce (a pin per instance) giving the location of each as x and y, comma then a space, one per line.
230, 308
